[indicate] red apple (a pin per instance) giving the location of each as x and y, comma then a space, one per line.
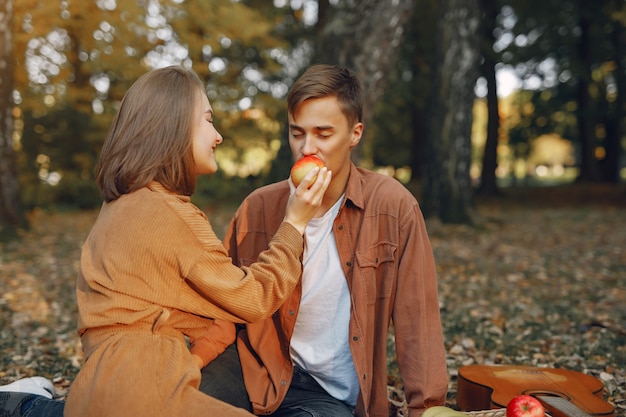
303, 166
524, 406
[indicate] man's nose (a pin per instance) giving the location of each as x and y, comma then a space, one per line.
309, 147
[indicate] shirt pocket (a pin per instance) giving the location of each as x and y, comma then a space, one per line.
377, 269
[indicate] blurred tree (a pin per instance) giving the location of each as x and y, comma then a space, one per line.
616, 100
84, 53
79, 59
299, 30
75, 62
583, 61
347, 32
11, 215
490, 10
250, 51
367, 39
447, 190
398, 130
61, 159
525, 125
562, 46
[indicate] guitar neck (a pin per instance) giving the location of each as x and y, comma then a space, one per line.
560, 407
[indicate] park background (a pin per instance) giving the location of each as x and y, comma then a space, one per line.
504, 118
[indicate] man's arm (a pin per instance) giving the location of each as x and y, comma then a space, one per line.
416, 318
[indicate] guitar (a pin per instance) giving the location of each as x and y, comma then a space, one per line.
562, 392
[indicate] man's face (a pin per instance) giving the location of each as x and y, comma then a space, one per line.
318, 127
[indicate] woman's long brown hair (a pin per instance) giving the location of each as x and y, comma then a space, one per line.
150, 137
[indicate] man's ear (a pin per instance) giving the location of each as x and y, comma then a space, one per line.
357, 133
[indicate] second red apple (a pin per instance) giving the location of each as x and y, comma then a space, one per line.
302, 167
524, 406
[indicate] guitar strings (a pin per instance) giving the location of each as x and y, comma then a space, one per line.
545, 376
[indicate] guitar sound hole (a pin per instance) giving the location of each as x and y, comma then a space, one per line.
538, 394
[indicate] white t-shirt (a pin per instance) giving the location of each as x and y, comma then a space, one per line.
320, 342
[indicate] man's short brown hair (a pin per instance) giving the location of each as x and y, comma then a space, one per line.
324, 80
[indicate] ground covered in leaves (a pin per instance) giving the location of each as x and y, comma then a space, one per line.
539, 279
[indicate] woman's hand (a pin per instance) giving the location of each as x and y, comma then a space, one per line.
307, 198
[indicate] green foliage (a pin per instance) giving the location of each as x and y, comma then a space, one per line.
59, 152
571, 55
75, 60
71, 193
218, 189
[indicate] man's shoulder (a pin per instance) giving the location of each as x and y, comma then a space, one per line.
383, 188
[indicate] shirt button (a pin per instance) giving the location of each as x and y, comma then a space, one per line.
349, 263
283, 383
291, 312
340, 227
355, 338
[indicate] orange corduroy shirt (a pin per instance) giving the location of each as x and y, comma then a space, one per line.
153, 276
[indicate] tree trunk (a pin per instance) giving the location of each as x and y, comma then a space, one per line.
418, 129
355, 37
615, 116
488, 185
365, 39
447, 189
11, 216
589, 170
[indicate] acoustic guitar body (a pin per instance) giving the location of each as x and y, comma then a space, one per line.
563, 393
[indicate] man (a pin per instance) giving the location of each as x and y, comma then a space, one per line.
367, 262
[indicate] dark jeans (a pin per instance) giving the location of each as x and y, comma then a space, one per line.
34, 405
43, 407
223, 380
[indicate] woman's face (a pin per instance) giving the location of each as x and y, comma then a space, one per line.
205, 137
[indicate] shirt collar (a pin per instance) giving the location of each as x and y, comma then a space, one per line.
159, 188
354, 188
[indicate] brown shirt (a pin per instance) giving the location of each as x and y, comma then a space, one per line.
388, 263
152, 271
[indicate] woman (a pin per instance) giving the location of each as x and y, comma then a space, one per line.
154, 275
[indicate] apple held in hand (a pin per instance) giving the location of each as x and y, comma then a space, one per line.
303, 166
524, 406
